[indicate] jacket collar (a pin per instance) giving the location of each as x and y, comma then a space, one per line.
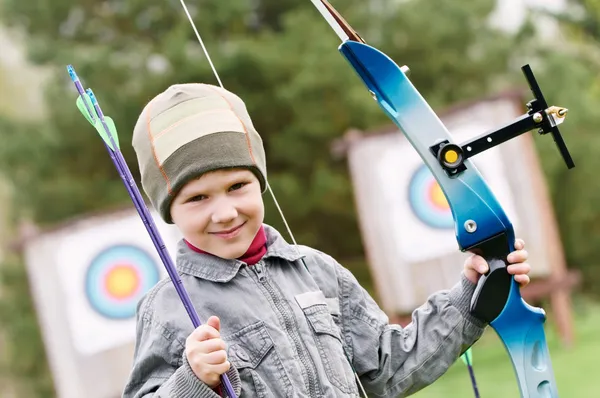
217, 269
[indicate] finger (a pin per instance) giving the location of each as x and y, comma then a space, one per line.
215, 357
522, 280
518, 256
214, 322
219, 369
519, 244
205, 346
211, 345
519, 269
210, 374
204, 332
477, 263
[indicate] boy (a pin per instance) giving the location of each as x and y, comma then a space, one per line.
281, 320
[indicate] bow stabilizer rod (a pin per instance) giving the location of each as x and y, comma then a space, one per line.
539, 116
481, 225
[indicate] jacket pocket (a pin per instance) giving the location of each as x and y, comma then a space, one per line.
252, 352
328, 340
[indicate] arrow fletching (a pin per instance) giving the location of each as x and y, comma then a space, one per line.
81, 102
87, 101
467, 357
84, 105
112, 130
104, 125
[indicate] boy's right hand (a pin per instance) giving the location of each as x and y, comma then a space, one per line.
206, 352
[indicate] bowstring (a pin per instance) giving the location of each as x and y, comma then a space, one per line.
279, 210
289, 230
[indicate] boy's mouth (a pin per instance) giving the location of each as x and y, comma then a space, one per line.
229, 233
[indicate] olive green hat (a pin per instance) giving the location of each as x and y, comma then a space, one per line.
190, 129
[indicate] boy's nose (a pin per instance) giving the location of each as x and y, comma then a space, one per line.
224, 214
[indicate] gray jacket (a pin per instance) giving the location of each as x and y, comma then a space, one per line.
289, 329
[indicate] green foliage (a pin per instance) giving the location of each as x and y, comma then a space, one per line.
572, 80
582, 19
568, 73
24, 350
299, 91
575, 193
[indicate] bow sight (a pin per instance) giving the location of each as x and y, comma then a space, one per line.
539, 115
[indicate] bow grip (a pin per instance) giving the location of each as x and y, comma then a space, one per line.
497, 300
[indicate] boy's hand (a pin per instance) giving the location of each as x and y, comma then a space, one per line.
206, 352
476, 265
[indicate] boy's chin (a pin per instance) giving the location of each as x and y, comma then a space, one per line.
232, 252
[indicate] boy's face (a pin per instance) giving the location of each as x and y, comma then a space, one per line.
220, 212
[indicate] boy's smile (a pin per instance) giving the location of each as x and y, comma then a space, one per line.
220, 212
229, 233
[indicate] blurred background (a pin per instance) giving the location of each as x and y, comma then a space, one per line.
341, 173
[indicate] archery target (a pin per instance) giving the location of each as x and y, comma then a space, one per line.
427, 200
105, 266
117, 278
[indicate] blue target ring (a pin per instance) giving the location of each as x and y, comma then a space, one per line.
117, 278
427, 200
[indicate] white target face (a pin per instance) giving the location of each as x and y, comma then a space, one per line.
105, 269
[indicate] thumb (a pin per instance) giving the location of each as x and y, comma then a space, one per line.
214, 322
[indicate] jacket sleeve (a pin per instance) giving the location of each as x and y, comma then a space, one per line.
393, 361
160, 366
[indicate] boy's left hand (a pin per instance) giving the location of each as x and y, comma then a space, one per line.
476, 265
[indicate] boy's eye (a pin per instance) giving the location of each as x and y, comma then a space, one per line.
196, 198
234, 187
237, 186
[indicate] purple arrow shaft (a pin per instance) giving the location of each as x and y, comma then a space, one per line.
142, 209
144, 213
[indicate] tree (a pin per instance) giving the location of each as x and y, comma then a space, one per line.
18, 362
570, 73
299, 91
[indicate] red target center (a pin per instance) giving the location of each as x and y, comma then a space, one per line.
122, 281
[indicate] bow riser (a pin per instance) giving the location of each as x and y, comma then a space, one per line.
468, 195
481, 225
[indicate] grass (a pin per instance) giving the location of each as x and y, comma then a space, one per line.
573, 367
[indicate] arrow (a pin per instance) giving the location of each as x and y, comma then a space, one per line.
88, 105
467, 358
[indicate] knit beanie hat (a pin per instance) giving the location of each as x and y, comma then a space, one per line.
190, 129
